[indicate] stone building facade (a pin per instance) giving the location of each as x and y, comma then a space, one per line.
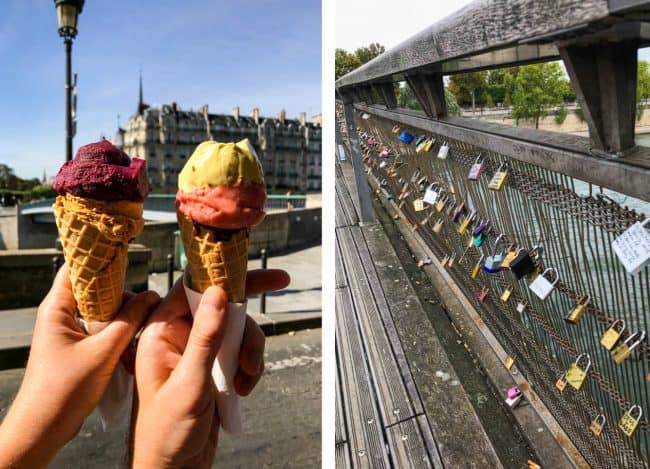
289, 149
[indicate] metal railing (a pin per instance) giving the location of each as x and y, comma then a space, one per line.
576, 224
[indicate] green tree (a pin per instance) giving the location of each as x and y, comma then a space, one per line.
566, 90
496, 85
469, 88
406, 99
344, 63
366, 54
642, 87
537, 88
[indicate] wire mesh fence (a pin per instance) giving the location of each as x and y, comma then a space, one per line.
573, 225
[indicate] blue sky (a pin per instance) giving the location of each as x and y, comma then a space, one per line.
246, 53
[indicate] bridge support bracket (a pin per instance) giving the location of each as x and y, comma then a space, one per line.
429, 90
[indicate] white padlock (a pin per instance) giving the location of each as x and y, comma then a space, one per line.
444, 150
541, 286
633, 247
430, 195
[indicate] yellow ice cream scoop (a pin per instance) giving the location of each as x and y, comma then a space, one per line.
221, 164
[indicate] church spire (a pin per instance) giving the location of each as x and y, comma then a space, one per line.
140, 100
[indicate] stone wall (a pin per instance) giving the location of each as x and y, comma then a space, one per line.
8, 228
26, 274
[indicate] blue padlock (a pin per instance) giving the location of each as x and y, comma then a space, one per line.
478, 240
406, 137
493, 263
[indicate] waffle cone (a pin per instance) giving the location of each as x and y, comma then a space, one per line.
215, 260
95, 237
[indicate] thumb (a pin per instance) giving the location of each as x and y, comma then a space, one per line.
126, 324
207, 332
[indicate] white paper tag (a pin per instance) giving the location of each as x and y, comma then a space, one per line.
633, 247
227, 362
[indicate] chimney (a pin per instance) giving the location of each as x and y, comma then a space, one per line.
255, 114
303, 118
282, 116
235, 113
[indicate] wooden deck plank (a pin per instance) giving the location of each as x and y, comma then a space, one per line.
339, 272
365, 435
408, 447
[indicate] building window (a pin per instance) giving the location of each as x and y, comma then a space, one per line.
182, 157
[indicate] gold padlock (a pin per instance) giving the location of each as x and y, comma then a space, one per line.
611, 335
465, 224
560, 384
437, 228
628, 423
499, 179
451, 261
477, 267
505, 296
440, 206
597, 424
577, 376
624, 350
512, 253
418, 205
576, 313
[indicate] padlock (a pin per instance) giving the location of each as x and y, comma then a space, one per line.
493, 262
482, 296
451, 261
422, 183
430, 195
611, 335
628, 422
406, 137
429, 144
633, 247
451, 207
476, 169
499, 179
415, 175
477, 267
465, 224
419, 140
597, 424
383, 164
443, 151
480, 228
459, 211
505, 296
440, 206
445, 260
560, 384
624, 349
437, 227
395, 129
478, 240
576, 313
522, 264
521, 307
510, 256
418, 205
470, 242
541, 286
577, 376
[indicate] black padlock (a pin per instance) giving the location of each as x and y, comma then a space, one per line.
522, 264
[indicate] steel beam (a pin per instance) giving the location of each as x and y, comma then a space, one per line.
604, 79
364, 207
429, 90
565, 154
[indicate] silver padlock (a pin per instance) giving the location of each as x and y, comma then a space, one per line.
541, 286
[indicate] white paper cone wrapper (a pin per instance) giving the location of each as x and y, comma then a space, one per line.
115, 405
227, 362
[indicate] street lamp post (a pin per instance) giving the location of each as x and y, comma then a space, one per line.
67, 12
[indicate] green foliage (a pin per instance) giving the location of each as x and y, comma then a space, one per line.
642, 87
406, 99
561, 114
344, 63
464, 84
579, 114
8, 180
43, 191
566, 90
537, 87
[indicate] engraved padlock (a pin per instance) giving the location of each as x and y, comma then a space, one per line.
429, 144
625, 349
477, 267
440, 206
499, 178
597, 424
578, 310
482, 296
443, 151
437, 227
522, 264
628, 422
521, 307
611, 335
431, 195
505, 296
418, 205
476, 169
541, 286
493, 262
575, 375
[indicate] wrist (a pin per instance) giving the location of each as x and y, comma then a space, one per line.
23, 443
